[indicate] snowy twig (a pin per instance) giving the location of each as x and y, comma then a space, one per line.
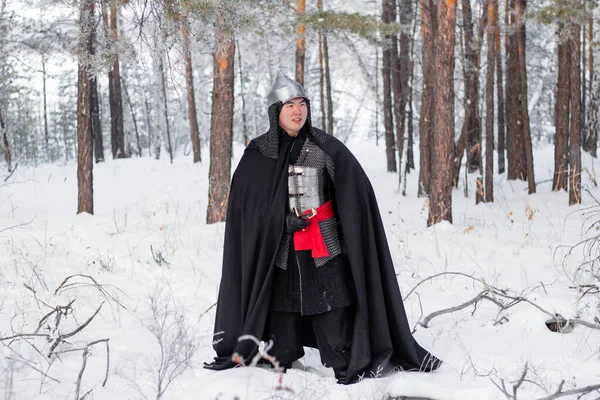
86, 352
480, 296
502, 386
560, 393
29, 364
490, 290
98, 286
11, 172
18, 225
60, 338
440, 274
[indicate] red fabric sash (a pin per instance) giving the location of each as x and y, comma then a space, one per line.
310, 238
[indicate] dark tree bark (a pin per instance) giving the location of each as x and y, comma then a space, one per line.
562, 112
97, 139
322, 74
242, 84
96, 124
117, 136
221, 125
328, 90
472, 124
300, 43
7, 154
134, 119
325, 80
489, 100
191, 97
85, 160
46, 133
576, 117
501, 103
514, 134
590, 142
440, 206
428, 33
386, 73
520, 8
406, 17
166, 111
399, 81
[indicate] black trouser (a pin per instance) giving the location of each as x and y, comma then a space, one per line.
332, 331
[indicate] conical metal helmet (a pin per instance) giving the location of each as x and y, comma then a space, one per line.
284, 89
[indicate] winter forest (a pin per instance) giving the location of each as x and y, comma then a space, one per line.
122, 121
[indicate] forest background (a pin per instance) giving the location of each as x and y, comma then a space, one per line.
459, 97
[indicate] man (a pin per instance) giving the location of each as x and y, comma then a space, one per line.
306, 261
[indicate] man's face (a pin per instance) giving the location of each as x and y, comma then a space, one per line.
293, 115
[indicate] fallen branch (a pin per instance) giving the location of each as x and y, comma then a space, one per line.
60, 338
18, 225
95, 284
560, 393
490, 294
86, 352
480, 296
516, 386
440, 274
11, 172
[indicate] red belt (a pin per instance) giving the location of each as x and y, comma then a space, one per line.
310, 238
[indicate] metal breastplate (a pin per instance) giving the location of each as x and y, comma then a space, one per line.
307, 187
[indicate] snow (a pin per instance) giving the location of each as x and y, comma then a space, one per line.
149, 212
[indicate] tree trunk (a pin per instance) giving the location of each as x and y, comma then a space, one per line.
514, 135
410, 157
7, 155
576, 119
96, 124
300, 43
321, 72
388, 118
397, 90
165, 110
406, 17
489, 100
135, 127
440, 206
85, 159
191, 98
428, 32
46, 133
242, 84
590, 143
521, 6
472, 122
328, 86
563, 94
221, 124
322, 80
148, 126
117, 137
501, 103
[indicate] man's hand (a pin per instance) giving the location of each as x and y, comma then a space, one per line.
293, 223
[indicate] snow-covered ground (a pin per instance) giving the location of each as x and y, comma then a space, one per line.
155, 266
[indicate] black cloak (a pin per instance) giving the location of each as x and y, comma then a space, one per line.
381, 340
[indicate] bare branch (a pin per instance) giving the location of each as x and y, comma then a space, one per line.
560, 393
86, 352
18, 225
440, 274
480, 296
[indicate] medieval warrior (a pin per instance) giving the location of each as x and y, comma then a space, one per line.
306, 260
